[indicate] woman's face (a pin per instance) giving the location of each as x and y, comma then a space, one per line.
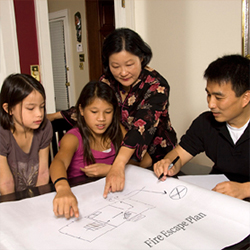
125, 67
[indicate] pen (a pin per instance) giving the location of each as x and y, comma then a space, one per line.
170, 166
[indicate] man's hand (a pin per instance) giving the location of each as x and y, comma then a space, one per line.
234, 189
161, 167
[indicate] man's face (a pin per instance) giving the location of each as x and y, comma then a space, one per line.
224, 104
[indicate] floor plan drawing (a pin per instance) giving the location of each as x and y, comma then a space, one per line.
132, 207
146, 214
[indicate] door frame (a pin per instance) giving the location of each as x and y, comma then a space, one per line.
63, 15
9, 55
44, 48
125, 16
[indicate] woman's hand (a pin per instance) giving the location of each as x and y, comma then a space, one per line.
96, 170
115, 180
65, 203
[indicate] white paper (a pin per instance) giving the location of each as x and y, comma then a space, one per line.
205, 181
148, 214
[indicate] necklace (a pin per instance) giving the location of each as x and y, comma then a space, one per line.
122, 89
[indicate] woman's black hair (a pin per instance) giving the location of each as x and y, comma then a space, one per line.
15, 88
92, 90
124, 39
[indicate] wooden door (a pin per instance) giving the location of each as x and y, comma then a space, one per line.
100, 22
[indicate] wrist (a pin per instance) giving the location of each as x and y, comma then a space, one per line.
118, 165
60, 179
61, 183
123, 157
246, 188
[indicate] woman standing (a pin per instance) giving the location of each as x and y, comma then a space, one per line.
143, 97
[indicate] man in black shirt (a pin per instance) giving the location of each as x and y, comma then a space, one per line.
222, 133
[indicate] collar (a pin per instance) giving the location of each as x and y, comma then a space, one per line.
222, 128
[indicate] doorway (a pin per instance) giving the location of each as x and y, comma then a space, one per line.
60, 59
100, 19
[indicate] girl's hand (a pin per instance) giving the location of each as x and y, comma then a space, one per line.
96, 170
65, 204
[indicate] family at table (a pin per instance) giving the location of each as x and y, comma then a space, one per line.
124, 119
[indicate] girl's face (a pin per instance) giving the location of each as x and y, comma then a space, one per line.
30, 112
125, 67
98, 115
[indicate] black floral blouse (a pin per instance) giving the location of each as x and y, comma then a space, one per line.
144, 114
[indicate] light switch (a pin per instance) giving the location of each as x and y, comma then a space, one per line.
79, 47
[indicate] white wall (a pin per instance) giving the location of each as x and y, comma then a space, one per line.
185, 36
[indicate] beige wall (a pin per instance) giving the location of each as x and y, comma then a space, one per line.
81, 77
185, 36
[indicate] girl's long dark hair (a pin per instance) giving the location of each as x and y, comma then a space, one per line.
92, 90
17, 87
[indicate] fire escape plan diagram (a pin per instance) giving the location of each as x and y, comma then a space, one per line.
132, 207
146, 214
